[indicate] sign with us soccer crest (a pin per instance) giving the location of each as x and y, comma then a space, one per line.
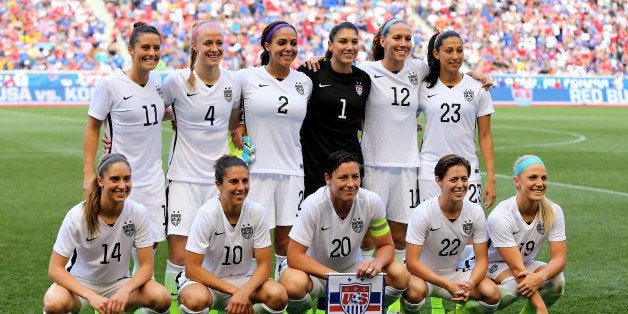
349, 294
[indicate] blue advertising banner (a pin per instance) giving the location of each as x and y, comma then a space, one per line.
28, 88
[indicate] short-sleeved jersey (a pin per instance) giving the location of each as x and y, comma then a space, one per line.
104, 257
443, 240
202, 117
273, 112
228, 249
506, 228
132, 117
450, 122
334, 114
389, 137
332, 241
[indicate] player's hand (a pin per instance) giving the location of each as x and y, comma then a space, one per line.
173, 122
419, 128
240, 303
87, 182
486, 81
118, 301
459, 291
106, 143
530, 284
368, 269
236, 135
99, 303
313, 63
489, 193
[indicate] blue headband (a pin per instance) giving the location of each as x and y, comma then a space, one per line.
280, 25
526, 163
389, 23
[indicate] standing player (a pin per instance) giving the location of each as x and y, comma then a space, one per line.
130, 103
517, 227
97, 236
454, 105
203, 102
274, 99
336, 108
227, 233
438, 231
327, 235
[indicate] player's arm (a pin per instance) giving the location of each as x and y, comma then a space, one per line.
558, 260
168, 114
241, 299
485, 138
385, 248
195, 271
90, 147
486, 81
58, 274
118, 301
419, 269
513, 259
480, 251
297, 259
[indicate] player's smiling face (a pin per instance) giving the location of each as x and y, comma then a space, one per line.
283, 46
209, 46
398, 42
115, 183
344, 183
146, 52
450, 54
455, 183
344, 48
532, 182
234, 187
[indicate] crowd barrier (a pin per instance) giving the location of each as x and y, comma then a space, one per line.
27, 88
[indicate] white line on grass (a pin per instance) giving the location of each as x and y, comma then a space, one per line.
577, 137
45, 116
571, 186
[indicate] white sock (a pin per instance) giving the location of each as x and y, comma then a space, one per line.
149, 311
488, 308
411, 307
267, 309
299, 306
171, 275
400, 256
391, 295
368, 254
185, 310
278, 261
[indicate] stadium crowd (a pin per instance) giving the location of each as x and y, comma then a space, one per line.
547, 37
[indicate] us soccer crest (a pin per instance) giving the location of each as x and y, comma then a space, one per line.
349, 294
228, 94
492, 268
357, 225
540, 227
128, 228
246, 231
359, 88
158, 90
414, 79
468, 94
299, 87
175, 218
467, 227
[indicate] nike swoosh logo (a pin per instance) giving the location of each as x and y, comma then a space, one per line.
92, 239
324, 228
190, 95
127, 97
323, 85
377, 76
430, 96
263, 85
515, 232
216, 233
432, 229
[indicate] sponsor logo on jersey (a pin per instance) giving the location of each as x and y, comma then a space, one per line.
414, 79
540, 227
359, 88
175, 218
355, 297
228, 94
467, 227
492, 268
129, 228
468, 94
299, 87
246, 231
357, 225
127, 97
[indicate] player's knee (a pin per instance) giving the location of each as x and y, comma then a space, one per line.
397, 274
195, 301
277, 295
295, 283
489, 291
416, 291
52, 306
558, 284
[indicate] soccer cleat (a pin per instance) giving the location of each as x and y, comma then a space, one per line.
437, 305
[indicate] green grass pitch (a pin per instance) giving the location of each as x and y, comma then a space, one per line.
584, 148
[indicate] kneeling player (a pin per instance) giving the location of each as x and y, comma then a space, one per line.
438, 231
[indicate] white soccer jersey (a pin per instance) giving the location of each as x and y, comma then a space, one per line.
202, 124
228, 249
332, 241
132, 117
104, 257
506, 228
442, 239
450, 121
389, 137
274, 111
